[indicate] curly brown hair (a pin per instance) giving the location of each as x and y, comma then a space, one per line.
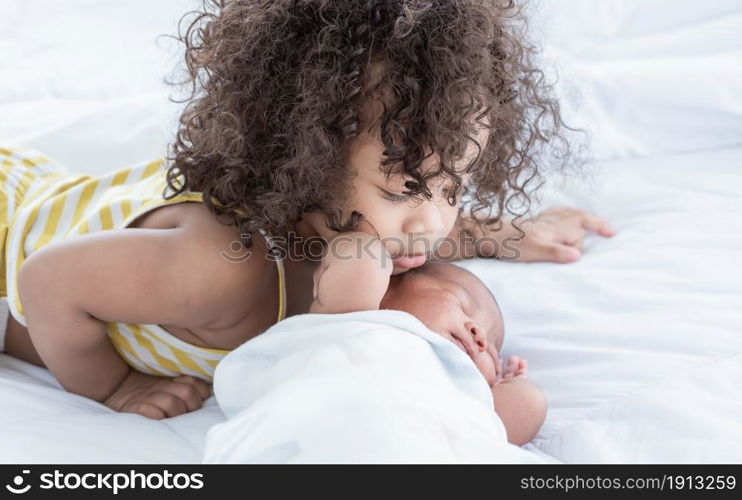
278, 88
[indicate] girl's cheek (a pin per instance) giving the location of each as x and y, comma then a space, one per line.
451, 218
391, 247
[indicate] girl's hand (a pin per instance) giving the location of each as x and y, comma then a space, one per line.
353, 275
555, 235
159, 397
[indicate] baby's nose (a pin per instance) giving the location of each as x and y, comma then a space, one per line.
479, 337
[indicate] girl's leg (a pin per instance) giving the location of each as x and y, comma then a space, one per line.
17, 340
21, 170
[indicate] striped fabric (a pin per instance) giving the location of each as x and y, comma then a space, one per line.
41, 202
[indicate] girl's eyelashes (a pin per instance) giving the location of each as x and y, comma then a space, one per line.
394, 198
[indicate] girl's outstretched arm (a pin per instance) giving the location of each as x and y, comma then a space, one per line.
554, 235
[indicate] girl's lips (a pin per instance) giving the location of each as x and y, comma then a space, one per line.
409, 261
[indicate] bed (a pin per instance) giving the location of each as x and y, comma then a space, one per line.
638, 346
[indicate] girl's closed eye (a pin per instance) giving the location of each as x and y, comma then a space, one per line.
394, 198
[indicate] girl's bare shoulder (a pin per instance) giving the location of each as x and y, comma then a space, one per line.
170, 216
198, 217
230, 272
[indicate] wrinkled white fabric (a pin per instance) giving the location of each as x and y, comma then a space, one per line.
362, 387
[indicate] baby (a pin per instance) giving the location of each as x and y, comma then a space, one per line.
450, 301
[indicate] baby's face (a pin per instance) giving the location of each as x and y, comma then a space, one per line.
454, 303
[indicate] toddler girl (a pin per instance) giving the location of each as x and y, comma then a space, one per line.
308, 118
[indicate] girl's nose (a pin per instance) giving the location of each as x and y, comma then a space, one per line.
479, 337
424, 219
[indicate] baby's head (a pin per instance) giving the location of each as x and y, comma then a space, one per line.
454, 303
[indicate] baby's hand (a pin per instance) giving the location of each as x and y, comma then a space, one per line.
159, 397
554, 235
517, 368
519, 403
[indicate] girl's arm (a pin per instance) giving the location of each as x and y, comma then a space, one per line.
70, 290
353, 276
555, 235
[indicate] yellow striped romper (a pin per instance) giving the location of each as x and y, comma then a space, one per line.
41, 202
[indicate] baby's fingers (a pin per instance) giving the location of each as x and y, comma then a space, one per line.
522, 369
510, 372
498, 369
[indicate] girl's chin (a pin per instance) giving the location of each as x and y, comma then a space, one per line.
398, 270
404, 264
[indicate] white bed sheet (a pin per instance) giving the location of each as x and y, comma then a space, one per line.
638, 346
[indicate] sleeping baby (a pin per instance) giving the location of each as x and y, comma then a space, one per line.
451, 302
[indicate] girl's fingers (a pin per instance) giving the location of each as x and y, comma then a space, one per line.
200, 385
169, 403
190, 395
573, 237
597, 224
561, 253
146, 409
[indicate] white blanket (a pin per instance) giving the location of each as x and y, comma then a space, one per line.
370, 386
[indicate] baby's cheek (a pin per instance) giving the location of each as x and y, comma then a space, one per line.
486, 366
